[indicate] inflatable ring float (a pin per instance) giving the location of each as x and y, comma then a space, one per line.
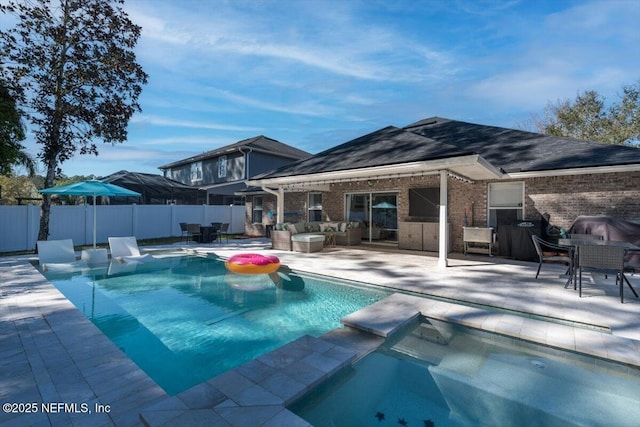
253, 264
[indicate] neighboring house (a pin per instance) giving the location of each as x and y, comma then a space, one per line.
439, 171
222, 172
153, 189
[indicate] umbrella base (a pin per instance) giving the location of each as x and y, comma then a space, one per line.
95, 256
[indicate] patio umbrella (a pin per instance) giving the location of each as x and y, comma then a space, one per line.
384, 205
91, 188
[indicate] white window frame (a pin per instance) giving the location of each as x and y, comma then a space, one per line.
505, 195
255, 207
196, 171
313, 208
222, 166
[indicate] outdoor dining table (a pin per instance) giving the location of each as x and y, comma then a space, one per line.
576, 243
208, 234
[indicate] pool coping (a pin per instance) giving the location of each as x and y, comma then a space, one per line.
45, 323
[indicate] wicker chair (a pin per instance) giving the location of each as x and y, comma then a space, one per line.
551, 252
602, 258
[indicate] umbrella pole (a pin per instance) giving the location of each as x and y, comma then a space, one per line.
94, 221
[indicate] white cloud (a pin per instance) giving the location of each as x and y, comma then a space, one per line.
338, 43
167, 122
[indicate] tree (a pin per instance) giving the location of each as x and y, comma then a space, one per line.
16, 187
12, 152
588, 117
79, 79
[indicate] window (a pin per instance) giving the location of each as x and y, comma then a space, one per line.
256, 213
315, 207
196, 171
222, 167
506, 203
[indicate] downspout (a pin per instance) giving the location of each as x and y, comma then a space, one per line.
279, 202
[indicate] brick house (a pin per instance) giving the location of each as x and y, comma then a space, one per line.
445, 171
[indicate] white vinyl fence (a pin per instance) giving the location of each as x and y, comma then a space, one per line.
19, 225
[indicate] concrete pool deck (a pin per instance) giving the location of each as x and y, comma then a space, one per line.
50, 353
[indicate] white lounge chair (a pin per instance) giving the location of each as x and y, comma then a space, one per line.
125, 249
58, 255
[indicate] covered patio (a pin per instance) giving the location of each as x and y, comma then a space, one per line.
46, 358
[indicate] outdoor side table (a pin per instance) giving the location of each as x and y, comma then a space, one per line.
330, 240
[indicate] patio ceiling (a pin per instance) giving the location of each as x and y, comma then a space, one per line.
471, 167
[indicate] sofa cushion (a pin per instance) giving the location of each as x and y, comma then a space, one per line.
329, 226
342, 227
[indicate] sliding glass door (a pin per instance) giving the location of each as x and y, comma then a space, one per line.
377, 213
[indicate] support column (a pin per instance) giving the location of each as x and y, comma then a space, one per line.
280, 196
279, 202
444, 228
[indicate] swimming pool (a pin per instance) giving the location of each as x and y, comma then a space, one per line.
438, 375
185, 319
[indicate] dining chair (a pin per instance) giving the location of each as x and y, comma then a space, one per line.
632, 266
193, 230
183, 230
224, 231
604, 259
551, 252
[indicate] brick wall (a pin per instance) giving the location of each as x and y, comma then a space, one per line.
564, 198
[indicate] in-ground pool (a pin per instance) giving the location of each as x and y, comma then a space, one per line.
185, 319
438, 375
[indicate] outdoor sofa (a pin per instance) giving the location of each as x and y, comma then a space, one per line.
346, 233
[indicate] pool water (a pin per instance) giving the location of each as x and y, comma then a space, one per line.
185, 319
459, 378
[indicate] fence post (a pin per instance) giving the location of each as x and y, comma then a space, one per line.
134, 219
30, 229
172, 219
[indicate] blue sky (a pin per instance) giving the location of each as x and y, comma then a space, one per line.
314, 74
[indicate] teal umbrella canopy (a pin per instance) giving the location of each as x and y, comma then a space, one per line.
384, 205
91, 188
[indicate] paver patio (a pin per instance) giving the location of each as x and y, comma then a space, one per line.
49, 352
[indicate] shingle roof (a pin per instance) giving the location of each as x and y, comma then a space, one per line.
390, 145
520, 151
259, 143
438, 138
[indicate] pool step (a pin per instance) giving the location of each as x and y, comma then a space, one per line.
225, 316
